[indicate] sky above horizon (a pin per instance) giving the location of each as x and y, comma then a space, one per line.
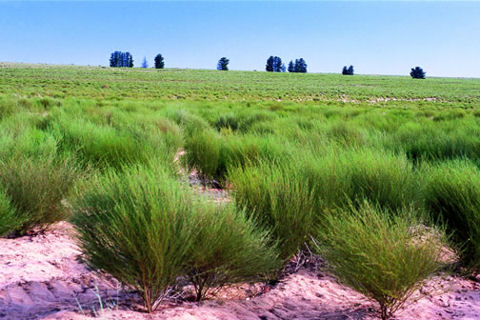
376, 37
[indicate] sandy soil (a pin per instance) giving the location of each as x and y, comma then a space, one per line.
42, 278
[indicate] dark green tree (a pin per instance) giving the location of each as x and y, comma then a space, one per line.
347, 71
300, 65
274, 64
223, 64
417, 73
269, 66
119, 59
159, 62
291, 66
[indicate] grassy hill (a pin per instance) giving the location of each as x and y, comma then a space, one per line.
170, 84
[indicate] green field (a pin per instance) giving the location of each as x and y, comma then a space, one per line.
300, 154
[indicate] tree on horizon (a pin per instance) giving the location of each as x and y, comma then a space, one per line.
300, 65
223, 64
159, 62
348, 71
274, 64
417, 73
119, 59
291, 66
144, 63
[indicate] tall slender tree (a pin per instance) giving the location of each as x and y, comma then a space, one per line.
291, 66
350, 70
144, 63
269, 66
159, 62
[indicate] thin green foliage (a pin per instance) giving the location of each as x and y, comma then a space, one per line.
383, 255
37, 190
228, 248
277, 199
138, 227
9, 220
452, 194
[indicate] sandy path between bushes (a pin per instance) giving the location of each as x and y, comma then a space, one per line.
42, 278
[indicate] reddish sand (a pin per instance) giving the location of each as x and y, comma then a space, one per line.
42, 278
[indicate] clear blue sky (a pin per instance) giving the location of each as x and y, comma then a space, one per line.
376, 37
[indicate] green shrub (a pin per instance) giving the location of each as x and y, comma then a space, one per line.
452, 193
144, 228
37, 190
228, 121
9, 220
345, 176
277, 198
138, 227
382, 255
228, 248
102, 146
203, 152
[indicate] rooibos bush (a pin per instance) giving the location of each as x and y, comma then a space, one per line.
203, 152
452, 193
146, 230
37, 190
278, 199
228, 248
382, 255
9, 221
138, 227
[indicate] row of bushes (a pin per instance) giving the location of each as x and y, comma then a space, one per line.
306, 189
147, 229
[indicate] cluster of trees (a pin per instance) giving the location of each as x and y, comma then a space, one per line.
299, 66
274, 64
347, 71
121, 59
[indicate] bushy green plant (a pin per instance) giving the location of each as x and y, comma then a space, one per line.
138, 227
203, 152
101, 146
452, 193
382, 255
228, 121
277, 198
343, 177
228, 248
145, 229
9, 220
37, 190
